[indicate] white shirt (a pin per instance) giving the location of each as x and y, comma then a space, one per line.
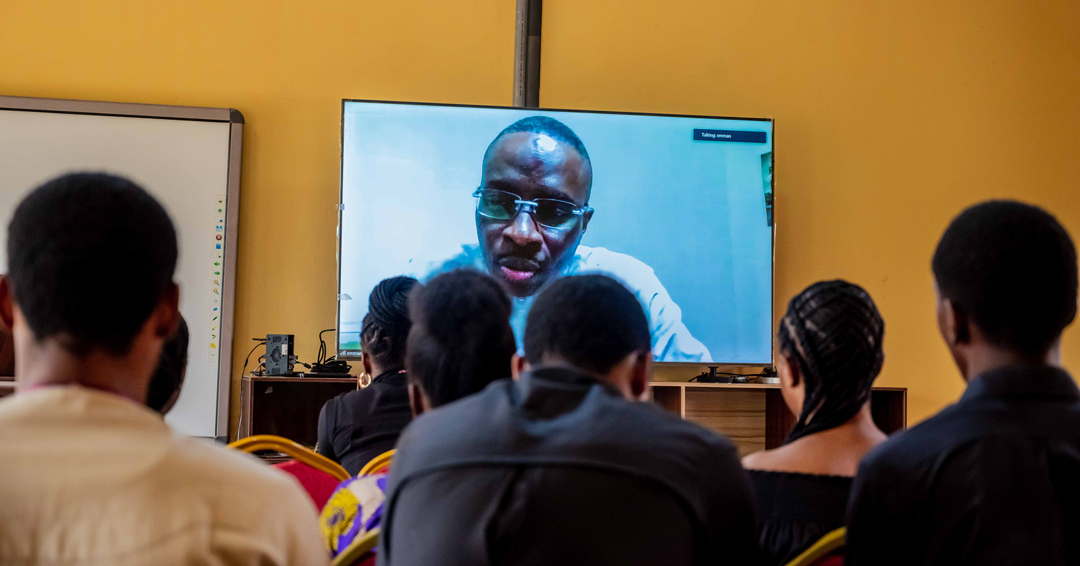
92, 478
671, 340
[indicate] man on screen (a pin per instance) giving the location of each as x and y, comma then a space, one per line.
532, 210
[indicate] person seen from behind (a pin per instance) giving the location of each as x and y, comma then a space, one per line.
90, 474
830, 346
460, 342
563, 465
357, 426
991, 479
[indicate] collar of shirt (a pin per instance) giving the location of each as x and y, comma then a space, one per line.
554, 390
1023, 381
392, 377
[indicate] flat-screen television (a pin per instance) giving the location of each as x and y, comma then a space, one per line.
678, 208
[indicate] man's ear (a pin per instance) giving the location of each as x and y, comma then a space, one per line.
418, 400
641, 374
167, 315
954, 323
7, 303
518, 366
585, 220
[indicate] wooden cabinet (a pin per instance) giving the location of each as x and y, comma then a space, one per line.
287, 406
754, 415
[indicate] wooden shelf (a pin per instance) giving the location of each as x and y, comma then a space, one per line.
754, 415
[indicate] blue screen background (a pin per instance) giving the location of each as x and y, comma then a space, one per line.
692, 210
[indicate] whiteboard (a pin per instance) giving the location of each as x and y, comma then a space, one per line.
189, 159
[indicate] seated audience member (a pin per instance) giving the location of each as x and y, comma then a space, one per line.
168, 378
461, 339
563, 465
460, 342
994, 478
357, 426
88, 473
830, 353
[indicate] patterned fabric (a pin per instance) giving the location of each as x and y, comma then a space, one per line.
355, 508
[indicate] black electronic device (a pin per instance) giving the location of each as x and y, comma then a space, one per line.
712, 377
279, 349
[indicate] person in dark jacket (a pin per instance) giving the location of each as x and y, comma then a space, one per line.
992, 479
357, 426
564, 464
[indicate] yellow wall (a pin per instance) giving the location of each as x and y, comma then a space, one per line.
891, 117
286, 65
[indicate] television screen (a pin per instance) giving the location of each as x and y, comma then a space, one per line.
677, 208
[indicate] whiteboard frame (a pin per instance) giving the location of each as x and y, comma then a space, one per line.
235, 119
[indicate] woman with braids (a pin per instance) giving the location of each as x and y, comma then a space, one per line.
359, 425
830, 352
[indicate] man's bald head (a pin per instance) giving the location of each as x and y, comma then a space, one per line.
551, 133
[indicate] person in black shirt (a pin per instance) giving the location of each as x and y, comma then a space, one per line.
168, 378
995, 478
562, 465
830, 345
461, 338
357, 426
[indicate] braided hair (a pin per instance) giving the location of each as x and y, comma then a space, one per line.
385, 327
833, 331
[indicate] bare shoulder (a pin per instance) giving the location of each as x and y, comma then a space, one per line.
777, 459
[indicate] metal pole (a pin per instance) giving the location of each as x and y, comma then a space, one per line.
527, 53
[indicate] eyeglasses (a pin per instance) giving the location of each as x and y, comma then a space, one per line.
549, 213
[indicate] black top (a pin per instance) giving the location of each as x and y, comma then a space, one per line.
795, 510
357, 426
993, 479
558, 468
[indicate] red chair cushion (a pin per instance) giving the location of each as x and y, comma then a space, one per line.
319, 485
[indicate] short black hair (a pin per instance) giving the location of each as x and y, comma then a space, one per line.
547, 126
461, 338
591, 321
1012, 268
168, 378
385, 328
90, 256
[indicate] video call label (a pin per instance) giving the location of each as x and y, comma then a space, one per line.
729, 136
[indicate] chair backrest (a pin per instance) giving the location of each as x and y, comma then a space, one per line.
823, 550
378, 464
294, 450
360, 550
319, 485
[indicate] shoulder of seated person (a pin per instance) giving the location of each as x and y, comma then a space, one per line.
766, 461
801, 457
917, 446
229, 468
